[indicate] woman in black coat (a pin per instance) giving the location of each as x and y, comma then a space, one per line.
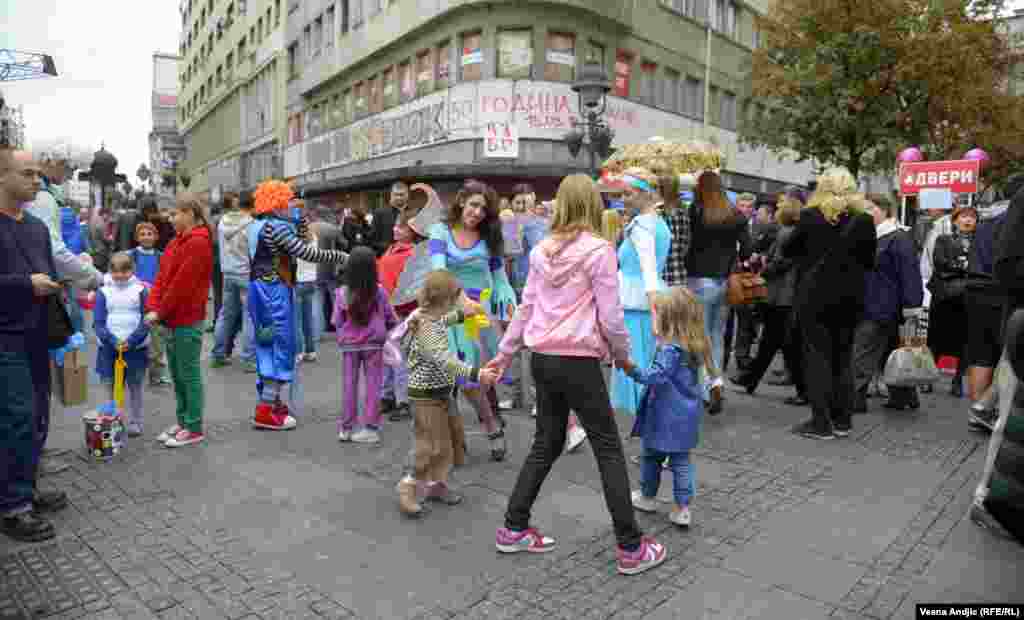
947, 325
834, 247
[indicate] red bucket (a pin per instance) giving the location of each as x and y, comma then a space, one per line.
947, 364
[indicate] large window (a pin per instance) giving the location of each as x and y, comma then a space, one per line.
725, 17
443, 66
515, 54
425, 72
672, 90
472, 57
560, 57
406, 81
649, 83
329, 28
623, 73
727, 113
697, 9
693, 98
388, 85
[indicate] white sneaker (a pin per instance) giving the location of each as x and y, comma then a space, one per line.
645, 504
574, 438
311, 357
506, 405
345, 436
533, 412
184, 438
681, 517
366, 435
167, 434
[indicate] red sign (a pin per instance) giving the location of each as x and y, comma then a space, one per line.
960, 176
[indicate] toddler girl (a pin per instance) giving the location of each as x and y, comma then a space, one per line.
362, 318
120, 328
668, 418
432, 373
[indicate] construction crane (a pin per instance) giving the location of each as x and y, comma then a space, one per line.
17, 65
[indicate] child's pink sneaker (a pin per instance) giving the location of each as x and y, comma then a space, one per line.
650, 554
530, 540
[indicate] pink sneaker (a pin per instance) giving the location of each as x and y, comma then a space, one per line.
530, 540
650, 554
184, 438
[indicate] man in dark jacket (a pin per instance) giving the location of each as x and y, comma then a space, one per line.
893, 293
27, 279
384, 218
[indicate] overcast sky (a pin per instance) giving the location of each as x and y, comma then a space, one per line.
103, 52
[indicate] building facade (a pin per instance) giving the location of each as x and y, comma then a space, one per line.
381, 90
166, 146
232, 93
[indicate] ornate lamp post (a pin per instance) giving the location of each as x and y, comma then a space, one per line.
591, 88
103, 172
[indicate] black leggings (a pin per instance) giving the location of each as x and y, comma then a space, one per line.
574, 383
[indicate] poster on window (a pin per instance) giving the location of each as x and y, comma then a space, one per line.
516, 54
472, 54
501, 140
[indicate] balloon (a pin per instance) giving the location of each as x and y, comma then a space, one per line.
910, 155
977, 154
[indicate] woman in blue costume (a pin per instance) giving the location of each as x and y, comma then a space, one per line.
470, 245
276, 240
642, 256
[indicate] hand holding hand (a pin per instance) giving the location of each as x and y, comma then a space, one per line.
489, 376
43, 285
122, 346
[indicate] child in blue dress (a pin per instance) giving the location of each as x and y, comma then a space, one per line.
671, 406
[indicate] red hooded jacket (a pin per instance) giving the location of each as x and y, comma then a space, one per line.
182, 286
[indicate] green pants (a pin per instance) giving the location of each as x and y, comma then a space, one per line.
183, 347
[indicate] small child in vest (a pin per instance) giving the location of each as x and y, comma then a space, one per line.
120, 328
147, 265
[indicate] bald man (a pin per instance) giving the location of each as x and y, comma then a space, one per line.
28, 277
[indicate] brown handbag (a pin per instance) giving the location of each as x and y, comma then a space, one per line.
745, 288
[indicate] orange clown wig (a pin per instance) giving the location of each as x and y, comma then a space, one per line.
271, 196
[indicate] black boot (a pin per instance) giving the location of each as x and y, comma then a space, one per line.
860, 401
27, 527
746, 381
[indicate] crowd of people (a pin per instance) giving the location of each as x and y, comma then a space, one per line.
588, 305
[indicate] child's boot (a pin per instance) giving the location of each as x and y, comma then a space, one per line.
499, 446
457, 429
407, 497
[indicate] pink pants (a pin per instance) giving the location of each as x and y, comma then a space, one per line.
371, 365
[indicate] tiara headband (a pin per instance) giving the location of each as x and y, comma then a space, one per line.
637, 183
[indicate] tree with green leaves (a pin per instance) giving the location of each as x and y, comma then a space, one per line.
850, 83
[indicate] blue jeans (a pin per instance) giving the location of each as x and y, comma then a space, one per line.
310, 306
24, 425
711, 294
233, 316
682, 474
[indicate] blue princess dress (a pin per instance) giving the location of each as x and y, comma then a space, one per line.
476, 270
642, 256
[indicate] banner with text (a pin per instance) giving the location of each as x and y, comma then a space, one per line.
958, 176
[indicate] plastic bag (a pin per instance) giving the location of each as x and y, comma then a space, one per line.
912, 364
392, 356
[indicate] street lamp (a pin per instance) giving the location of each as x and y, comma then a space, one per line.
592, 89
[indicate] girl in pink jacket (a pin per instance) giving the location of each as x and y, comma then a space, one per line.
571, 319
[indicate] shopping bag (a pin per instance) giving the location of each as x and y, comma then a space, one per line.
119, 368
72, 379
912, 364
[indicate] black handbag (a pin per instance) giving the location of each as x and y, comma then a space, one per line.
946, 288
58, 322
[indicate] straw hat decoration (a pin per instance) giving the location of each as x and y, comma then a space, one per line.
680, 158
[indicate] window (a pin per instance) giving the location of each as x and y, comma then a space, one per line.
220, 75
376, 96
241, 50
755, 36
444, 65
623, 73
648, 82
693, 98
727, 113
259, 29
406, 82
560, 58
318, 35
714, 109
277, 13
725, 17
307, 41
360, 96
357, 13
515, 54
671, 90
229, 63
424, 73
252, 35
293, 60
472, 58
329, 28
390, 87
269, 27
344, 16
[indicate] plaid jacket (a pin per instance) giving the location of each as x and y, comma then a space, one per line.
678, 221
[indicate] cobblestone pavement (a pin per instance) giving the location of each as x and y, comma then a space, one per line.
280, 526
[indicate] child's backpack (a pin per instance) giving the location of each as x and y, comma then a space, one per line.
396, 347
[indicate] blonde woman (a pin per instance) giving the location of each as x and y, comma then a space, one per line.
834, 248
571, 319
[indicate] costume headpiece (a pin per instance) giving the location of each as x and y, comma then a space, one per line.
271, 196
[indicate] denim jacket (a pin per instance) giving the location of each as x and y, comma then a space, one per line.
671, 407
